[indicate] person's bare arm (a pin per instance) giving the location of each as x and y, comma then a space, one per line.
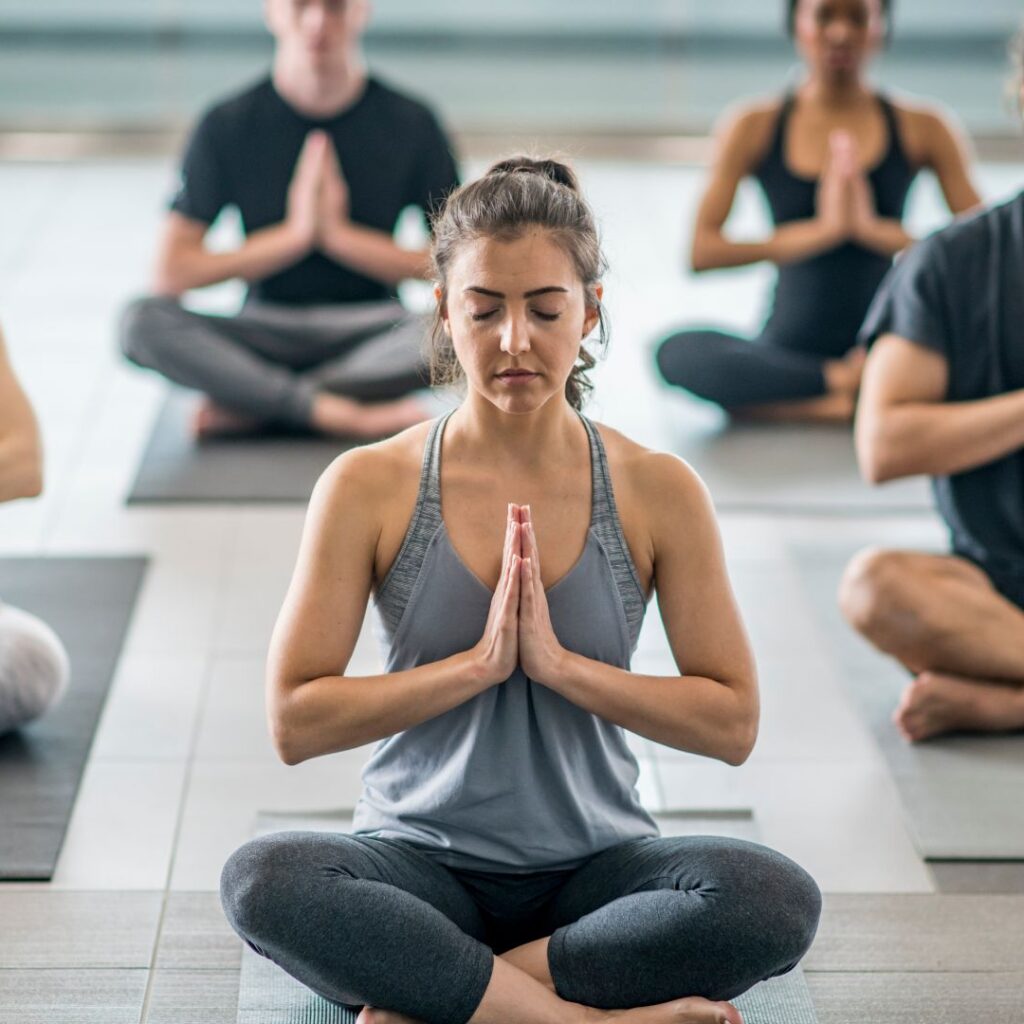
21, 452
951, 157
184, 261
711, 707
947, 152
905, 427
313, 706
741, 139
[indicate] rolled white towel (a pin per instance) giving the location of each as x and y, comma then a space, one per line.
34, 667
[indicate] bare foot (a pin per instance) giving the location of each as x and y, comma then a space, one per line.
344, 417
680, 1011
936, 703
842, 376
212, 420
371, 1015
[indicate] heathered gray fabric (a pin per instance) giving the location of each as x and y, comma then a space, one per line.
517, 778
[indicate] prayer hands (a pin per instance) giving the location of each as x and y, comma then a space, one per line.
518, 630
845, 204
318, 199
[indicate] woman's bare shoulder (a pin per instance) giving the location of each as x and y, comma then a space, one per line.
649, 478
376, 476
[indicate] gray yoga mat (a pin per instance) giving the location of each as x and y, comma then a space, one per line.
785, 468
267, 995
961, 795
272, 468
89, 602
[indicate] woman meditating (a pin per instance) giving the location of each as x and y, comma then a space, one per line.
835, 160
501, 867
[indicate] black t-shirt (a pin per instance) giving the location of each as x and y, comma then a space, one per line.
392, 151
961, 293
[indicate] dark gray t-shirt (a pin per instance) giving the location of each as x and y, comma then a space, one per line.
960, 292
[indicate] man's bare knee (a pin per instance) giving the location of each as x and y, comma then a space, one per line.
872, 589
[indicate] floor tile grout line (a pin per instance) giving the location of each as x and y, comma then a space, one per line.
190, 762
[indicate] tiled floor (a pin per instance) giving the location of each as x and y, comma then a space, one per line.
182, 764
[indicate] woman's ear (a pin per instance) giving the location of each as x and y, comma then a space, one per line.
593, 314
442, 309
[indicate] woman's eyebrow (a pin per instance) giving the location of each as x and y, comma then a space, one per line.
526, 295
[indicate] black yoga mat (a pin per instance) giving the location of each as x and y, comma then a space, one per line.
961, 795
268, 468
88, 602
785, 468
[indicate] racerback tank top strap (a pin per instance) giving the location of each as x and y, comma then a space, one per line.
394, 593
397, 586
607, 528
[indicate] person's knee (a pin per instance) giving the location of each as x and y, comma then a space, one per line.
255, 876
143, 323
873, 589
34, 668
676, 358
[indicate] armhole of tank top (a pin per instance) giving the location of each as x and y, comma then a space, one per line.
424, 499
606, 525
777, 142
896, 145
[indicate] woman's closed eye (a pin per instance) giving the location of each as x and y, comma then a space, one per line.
541, 314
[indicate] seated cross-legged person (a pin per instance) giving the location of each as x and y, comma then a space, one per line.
943, 395
835, 159
319, 159
33, 663
502, 867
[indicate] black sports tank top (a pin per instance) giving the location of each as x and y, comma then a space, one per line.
820, 302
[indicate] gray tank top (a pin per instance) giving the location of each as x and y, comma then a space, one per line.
517, 778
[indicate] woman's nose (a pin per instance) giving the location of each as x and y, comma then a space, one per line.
515, 336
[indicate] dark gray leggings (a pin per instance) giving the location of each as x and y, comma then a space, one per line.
362, 920
269, 361
734, 372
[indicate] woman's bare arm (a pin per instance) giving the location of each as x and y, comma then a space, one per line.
741, 139
711, 707
21, 451
314, 707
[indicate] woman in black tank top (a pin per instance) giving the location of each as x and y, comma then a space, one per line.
837, 209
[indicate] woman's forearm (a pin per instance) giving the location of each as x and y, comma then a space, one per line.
883, 235
691, 713
21, 466
789, 243
332, 713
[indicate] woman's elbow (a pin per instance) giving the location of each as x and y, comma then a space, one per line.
701, 256
741, 742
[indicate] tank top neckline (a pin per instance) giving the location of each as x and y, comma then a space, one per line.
443, 528
778, 149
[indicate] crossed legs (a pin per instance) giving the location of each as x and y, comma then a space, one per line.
941, 617
668, 927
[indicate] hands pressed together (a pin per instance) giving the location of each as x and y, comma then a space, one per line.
318, 199
518, 630
845, 204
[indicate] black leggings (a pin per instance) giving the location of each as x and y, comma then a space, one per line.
363, 920
734, 372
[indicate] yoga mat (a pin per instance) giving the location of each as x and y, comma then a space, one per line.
786, 468
961, 794
271, 468
267, 995
88, 602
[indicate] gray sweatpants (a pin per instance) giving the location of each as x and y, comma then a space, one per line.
364, 920
270, 360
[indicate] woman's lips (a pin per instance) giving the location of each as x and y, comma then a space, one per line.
517, 376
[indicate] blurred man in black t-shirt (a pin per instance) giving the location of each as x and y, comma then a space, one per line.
319, 159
